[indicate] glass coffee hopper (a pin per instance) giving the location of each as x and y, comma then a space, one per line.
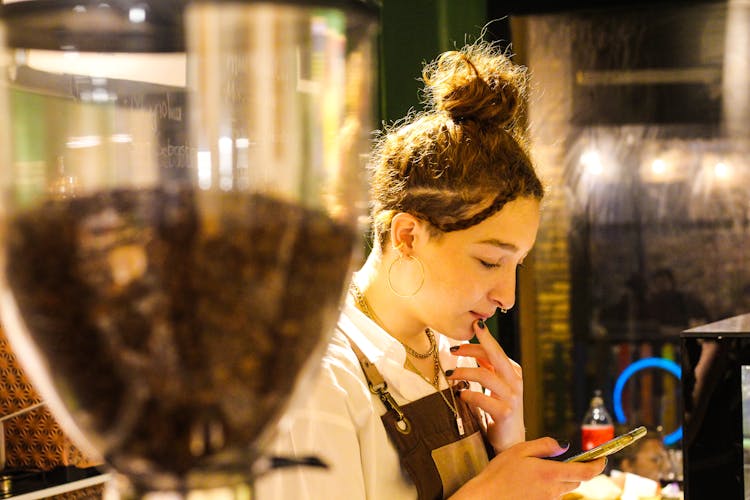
182, 189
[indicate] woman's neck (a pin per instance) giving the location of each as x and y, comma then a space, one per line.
394, 314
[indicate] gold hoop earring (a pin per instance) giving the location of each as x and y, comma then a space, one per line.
421, 281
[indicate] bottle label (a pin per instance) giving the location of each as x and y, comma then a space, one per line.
594, 435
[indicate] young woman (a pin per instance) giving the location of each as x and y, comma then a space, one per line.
404, 407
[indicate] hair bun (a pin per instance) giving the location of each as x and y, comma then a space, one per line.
477, 83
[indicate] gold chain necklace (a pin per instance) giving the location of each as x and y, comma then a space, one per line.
435, 382
364, 306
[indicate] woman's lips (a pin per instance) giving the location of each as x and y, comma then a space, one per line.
480, 315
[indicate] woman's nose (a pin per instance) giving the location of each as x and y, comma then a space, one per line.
504, 291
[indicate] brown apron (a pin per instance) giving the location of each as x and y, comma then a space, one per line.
437, 457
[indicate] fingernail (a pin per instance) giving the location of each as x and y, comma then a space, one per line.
562, 443
455, 348
480, 324
448, 373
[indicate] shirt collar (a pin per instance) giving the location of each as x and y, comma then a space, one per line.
370, 337
385, 352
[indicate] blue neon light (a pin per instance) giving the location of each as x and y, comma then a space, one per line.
629, 371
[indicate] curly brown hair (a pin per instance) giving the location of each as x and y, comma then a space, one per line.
464, 157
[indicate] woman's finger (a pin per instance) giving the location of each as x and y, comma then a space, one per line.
497, 407
488, 379
477, 352
494, 351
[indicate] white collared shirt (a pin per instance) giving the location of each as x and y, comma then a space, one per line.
338, 420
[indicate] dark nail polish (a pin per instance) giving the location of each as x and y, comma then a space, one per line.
562, 443
448, 373
455, 348
480, 324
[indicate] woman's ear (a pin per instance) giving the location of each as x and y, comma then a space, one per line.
406, 231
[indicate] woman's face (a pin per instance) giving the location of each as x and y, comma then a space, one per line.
471, 273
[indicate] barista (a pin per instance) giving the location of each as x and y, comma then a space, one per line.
455, 210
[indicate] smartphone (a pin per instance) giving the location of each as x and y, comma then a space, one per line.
610, 447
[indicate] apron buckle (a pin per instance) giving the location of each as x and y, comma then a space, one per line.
402, 425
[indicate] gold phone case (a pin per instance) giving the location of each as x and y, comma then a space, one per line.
610, 447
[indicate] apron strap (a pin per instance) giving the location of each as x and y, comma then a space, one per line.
379, 386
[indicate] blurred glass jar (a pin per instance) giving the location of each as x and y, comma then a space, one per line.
182, 194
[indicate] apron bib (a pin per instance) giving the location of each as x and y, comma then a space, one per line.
437, 459
433, 454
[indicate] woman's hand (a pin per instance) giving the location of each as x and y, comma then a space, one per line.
503, 380
521, 472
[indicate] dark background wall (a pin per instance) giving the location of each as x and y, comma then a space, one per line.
414, 32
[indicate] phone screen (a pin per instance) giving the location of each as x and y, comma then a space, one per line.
612, 446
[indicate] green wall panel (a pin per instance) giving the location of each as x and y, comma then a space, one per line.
414, 32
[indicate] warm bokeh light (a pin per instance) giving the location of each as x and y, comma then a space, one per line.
86, 141
137, 15
722, 170
658, 166
593, 162
665, 162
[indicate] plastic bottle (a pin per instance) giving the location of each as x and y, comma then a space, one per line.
597, 426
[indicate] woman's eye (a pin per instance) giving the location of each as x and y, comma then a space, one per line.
491, 265
495, 265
